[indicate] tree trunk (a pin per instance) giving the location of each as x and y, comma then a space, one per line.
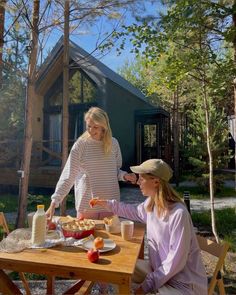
234, 135
175, 128
234, 82
211, 174
2, 21
65, 113
25, 167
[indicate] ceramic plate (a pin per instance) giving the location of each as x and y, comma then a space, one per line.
108, 245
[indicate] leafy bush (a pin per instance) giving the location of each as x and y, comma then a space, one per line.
203, 182
2, 206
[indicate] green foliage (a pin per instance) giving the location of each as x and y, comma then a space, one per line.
203, 183
225, 222
10, 202
196, 135
12, 94
2, 206
34, 200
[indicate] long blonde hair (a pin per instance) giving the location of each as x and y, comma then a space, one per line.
100, 118
164, 197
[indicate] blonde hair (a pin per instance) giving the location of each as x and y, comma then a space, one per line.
164, 197
100, 118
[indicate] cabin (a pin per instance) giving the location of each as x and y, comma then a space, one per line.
143, 131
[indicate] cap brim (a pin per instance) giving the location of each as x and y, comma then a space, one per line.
138, 170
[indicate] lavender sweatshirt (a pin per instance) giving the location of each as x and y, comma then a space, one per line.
173, 249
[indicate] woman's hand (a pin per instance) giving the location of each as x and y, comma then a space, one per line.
50, 212
131, 177
97, 202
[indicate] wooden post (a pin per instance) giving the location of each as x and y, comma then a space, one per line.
65, 113
25, 167
2, 21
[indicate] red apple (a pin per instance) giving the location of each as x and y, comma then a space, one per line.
51, 225
93, 255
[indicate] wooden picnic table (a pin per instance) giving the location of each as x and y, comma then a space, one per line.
115, 266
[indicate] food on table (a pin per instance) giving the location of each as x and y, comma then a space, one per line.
93, 202
93, 255
98, 243
112, 220
51, 225
112, 224
78, 228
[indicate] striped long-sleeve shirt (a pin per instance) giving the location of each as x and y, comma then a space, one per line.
92, 173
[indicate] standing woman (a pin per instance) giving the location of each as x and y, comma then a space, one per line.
174, 266
93, 167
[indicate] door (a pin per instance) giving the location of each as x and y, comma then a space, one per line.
147, 141
152, 135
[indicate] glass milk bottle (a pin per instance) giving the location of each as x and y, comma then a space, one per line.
39, 227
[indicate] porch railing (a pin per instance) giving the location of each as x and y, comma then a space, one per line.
11, 152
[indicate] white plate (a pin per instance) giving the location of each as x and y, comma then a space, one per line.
108, 245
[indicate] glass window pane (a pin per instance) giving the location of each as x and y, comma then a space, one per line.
150, 133
81, 89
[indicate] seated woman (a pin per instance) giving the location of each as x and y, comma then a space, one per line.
174, 265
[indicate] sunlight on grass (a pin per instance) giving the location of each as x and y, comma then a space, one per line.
225, 223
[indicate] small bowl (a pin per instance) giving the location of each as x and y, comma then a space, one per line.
112, 229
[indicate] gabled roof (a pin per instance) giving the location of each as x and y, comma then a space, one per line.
95, 69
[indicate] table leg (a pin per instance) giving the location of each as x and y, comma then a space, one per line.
124, 290
7, 286
51, 285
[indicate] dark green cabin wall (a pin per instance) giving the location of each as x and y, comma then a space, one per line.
120, 106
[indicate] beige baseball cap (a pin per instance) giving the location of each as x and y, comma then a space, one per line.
156, 167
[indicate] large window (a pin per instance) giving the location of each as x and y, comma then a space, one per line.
82, 95
81, 89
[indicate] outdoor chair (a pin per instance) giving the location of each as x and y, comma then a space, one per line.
219, 251
5, 229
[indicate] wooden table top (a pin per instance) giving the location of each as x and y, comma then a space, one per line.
115, 266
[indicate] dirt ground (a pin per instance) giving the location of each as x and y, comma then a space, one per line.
229, 272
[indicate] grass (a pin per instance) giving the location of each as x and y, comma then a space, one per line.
9, 202
197, 194
225, 224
